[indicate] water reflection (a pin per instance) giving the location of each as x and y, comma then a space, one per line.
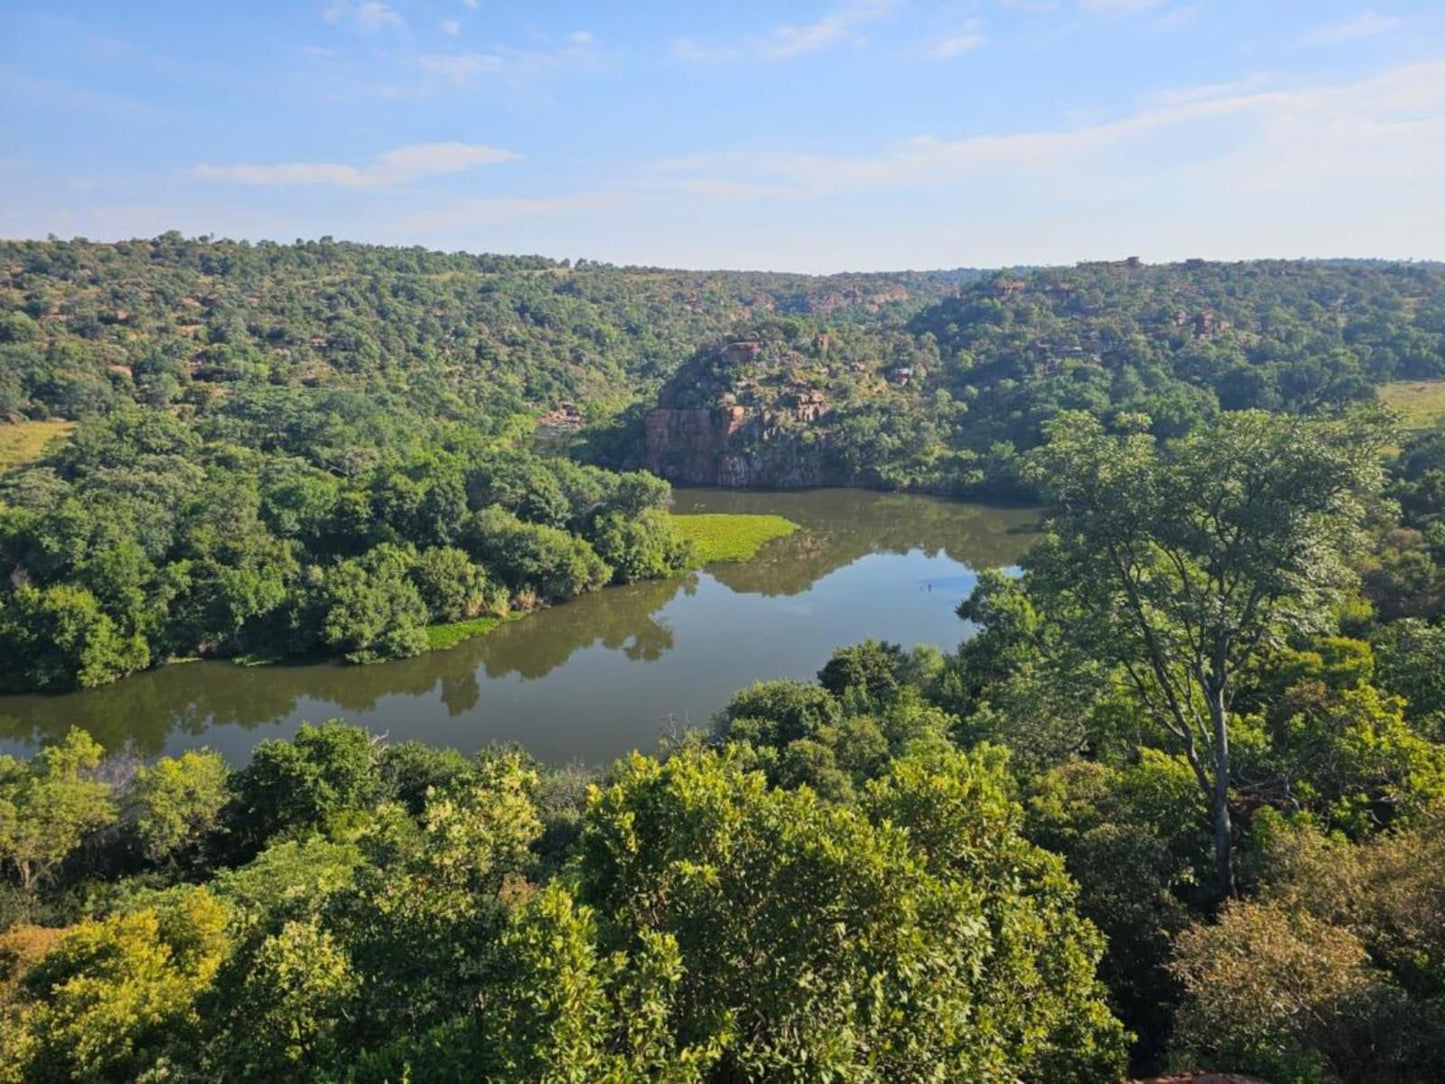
842, 525
603, 673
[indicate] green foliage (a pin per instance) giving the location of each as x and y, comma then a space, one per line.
59, 638
117, 994
647, 546
535, 559
49, 805
297, 785
297, 992
1411, 658
452, 588
1176, 561
875, 954
175, 803
371, 609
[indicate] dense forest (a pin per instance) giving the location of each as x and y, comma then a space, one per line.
1203, 830
330, 448
947, 400
1176, 800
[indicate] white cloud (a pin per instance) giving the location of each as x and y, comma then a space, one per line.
1177, 18
968, 38
393, 167
466, 69
1382, 130
450, 27
1206, 91
689, 50
471, 4
374, 15
1365, 25
1118, 7
369, 16
462, 69
838, 26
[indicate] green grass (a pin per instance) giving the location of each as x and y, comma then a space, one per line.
441, 637
722, 536
22, 442
1420, 403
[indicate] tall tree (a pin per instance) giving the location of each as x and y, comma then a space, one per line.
1179, 561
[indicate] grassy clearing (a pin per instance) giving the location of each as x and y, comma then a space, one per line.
441, 637
722, 536
22, 442
1420, 403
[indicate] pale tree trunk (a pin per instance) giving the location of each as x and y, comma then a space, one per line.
1219, 798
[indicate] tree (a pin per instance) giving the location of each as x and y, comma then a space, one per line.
118, 993
50, 804
819, 942
1180, 561
292, 1001
372, 610
58, 637
1275, 992
641, 547
300, 783
452, 587
871, 667
177, 801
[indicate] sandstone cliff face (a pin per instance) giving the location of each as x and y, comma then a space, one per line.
757, 425
732, 446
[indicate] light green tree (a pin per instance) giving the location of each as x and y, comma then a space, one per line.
117, 994
176, 801
1180, 561
49, 804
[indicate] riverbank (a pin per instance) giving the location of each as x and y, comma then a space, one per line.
603, 673
716, 537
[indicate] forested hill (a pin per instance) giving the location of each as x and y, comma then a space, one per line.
945, 400
172, 321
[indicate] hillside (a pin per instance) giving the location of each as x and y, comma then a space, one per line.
207, 326
943, 401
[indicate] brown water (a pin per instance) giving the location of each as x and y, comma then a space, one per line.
601, 675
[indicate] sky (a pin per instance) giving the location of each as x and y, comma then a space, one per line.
802, 135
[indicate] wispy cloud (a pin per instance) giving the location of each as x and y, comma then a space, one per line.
840, 25
450, 27
465, 69
1395, 123
967, 38
1365, 25
393, 167
1176, 18
1118, 7
369, 16
1212, 91
51, 93
693, 52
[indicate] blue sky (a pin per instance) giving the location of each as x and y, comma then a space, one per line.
822, 135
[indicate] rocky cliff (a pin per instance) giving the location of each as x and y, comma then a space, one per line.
744, 414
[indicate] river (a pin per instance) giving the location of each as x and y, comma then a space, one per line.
589, 680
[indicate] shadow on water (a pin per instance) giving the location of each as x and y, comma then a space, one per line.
600, 674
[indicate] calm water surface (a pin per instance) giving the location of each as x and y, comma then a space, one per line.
601, 675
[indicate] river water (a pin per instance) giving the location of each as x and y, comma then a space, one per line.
589, 680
